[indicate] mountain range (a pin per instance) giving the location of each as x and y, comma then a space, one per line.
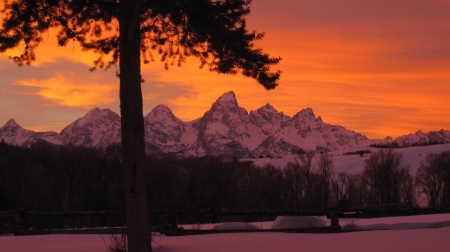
225, 129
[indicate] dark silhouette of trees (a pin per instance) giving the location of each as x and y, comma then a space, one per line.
63, 179
387, 177
433, 179
295, 190
305, 162
128, 33
69, 178
325, 171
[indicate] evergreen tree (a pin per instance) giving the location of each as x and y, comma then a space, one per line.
128, 33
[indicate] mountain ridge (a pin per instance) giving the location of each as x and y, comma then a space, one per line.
225, 129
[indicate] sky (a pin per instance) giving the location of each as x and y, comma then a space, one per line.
377, 67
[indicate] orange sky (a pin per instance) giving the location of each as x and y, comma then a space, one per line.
378, 67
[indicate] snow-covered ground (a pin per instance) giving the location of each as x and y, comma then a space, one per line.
354, 163
401, 234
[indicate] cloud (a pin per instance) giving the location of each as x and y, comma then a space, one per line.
64, 92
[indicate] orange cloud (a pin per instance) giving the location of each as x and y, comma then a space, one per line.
65, 92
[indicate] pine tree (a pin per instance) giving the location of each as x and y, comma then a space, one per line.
128, 33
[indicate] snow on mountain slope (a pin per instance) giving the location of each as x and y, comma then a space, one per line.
50, 136
13, 134
98, 128
422, 138
306, 132
221, 130
267, 118
167, 132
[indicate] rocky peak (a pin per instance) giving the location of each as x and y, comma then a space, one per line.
269, 111
97, 115
226, 102
11, 124
160, 113
266, 114
99, 128
227, 97
305, 113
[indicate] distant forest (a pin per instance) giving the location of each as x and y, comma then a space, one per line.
406, 145
69, 178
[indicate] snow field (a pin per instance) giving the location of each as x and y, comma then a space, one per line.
416, 238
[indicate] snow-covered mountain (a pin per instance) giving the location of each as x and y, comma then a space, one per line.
13, 134
308, 132
168, 133
222, 130
420, 137
98, 128
225, 129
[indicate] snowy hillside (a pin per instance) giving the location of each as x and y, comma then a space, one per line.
355, 163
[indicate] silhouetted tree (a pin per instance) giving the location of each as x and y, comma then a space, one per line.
432, 178
294, 182
386, 172
305, 162
325, 171
213, 31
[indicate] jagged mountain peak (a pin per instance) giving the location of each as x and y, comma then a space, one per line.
12, 123
98, 128
160, 112
98, 111
226, 102
227, 97
307, 112
160, 123
266, 114
268, 108
12, 133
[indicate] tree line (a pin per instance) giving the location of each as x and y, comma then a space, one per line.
407, 144
69, 178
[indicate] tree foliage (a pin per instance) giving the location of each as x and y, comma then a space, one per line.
215, 32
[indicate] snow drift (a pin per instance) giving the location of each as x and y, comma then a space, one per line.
287, 222
235, 226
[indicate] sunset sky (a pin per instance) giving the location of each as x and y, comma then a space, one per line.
378, 67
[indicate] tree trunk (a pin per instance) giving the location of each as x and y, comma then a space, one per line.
133, 147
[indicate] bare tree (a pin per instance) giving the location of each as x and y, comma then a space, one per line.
385, 171
305, 162
430, 177
325, 172
295, 190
